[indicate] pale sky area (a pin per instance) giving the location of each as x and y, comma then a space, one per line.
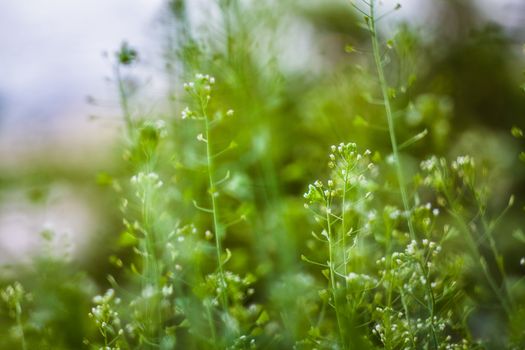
51, 59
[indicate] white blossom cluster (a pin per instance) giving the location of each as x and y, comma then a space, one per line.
107, 318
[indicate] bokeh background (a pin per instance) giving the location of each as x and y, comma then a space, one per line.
61, 125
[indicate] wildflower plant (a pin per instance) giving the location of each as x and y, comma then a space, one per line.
341, 207
201, 91
108, 320
215, 248
226, 293
14, 296
466, 199
147, 233
400, 300
410, 283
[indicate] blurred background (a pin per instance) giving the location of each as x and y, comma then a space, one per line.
60, 119
298, 75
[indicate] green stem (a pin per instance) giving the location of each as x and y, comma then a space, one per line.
479, 257
212, 326
332, 278
123, 99
217, 227
20, 326
343, 222
390, 118
463, 225
395, 150
494, 249
152, 270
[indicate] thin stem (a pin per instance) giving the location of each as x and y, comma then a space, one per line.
495, 254
212, 326
20, 326
152, 267
332, 279
217, 227
124, 105
343, 223
399, 169
463, 225
479, 257
390, 118
151, 274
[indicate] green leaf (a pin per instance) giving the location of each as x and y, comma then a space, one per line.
226, 258
314, 332
104, 179
134, 270
263, 318
324, 295
516, 132
126, 239
115, 261
414, 139
519, 235
360, 121
350, 48
392, 93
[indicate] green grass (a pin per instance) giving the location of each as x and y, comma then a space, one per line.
222, 237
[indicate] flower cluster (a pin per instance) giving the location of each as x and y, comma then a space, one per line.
464, 166
439, 175
360, 281
349, 168
156, 129
236, 288
13, 296
201, 86
146, 179
107, 319
146, 184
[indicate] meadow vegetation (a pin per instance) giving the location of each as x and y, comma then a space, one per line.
373, 200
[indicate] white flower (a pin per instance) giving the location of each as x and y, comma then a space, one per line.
167, 290
186, 113
148, 291
201, 138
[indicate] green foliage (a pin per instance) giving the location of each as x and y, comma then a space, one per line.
214, 248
